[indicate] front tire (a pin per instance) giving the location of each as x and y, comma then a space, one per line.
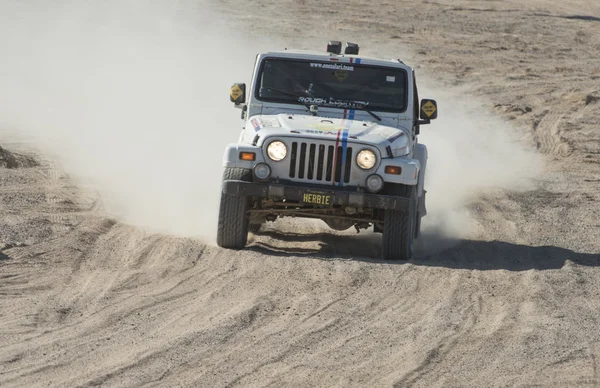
232, 229
399, 227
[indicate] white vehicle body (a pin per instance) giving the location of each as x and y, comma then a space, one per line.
396, 131
324, 139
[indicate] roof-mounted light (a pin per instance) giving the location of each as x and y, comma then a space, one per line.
334, 47
351, 48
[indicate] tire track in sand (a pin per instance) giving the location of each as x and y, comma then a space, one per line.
445, 345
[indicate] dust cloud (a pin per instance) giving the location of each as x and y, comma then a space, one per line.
470, 152
131, 97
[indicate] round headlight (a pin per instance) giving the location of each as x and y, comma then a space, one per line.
277, 150
366, 159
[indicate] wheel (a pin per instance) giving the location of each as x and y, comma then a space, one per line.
399, 227
232, 229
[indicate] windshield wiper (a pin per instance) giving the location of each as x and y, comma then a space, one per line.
352, 105
372, 114
293, 95
314, 112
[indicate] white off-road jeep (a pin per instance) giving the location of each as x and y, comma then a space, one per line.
328, 135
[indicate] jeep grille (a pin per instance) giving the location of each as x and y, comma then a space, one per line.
316, 162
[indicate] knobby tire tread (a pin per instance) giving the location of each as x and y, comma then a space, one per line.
399, 226
232, 230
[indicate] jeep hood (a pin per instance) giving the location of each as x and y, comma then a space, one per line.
324, 128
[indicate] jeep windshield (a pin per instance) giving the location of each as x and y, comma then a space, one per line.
332, 84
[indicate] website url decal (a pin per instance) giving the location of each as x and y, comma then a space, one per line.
332, 66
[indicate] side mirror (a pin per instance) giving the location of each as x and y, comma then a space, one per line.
429, 110
237, 93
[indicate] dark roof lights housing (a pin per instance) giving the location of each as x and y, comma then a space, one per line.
351, 49
334, 47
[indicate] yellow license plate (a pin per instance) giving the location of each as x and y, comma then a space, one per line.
316, 198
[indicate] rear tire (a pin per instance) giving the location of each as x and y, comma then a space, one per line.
399, 227
232, 229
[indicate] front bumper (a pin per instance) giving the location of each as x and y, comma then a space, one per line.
296, 193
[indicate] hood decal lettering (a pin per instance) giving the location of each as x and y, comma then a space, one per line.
326, 127
318, 132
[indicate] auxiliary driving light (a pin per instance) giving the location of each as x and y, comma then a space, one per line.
262, 171
374, 183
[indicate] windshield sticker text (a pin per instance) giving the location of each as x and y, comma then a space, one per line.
333, 103
332, 66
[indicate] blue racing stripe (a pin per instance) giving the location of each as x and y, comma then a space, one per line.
345, 146
344, 154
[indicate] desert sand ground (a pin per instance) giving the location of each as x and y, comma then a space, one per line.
509, 296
